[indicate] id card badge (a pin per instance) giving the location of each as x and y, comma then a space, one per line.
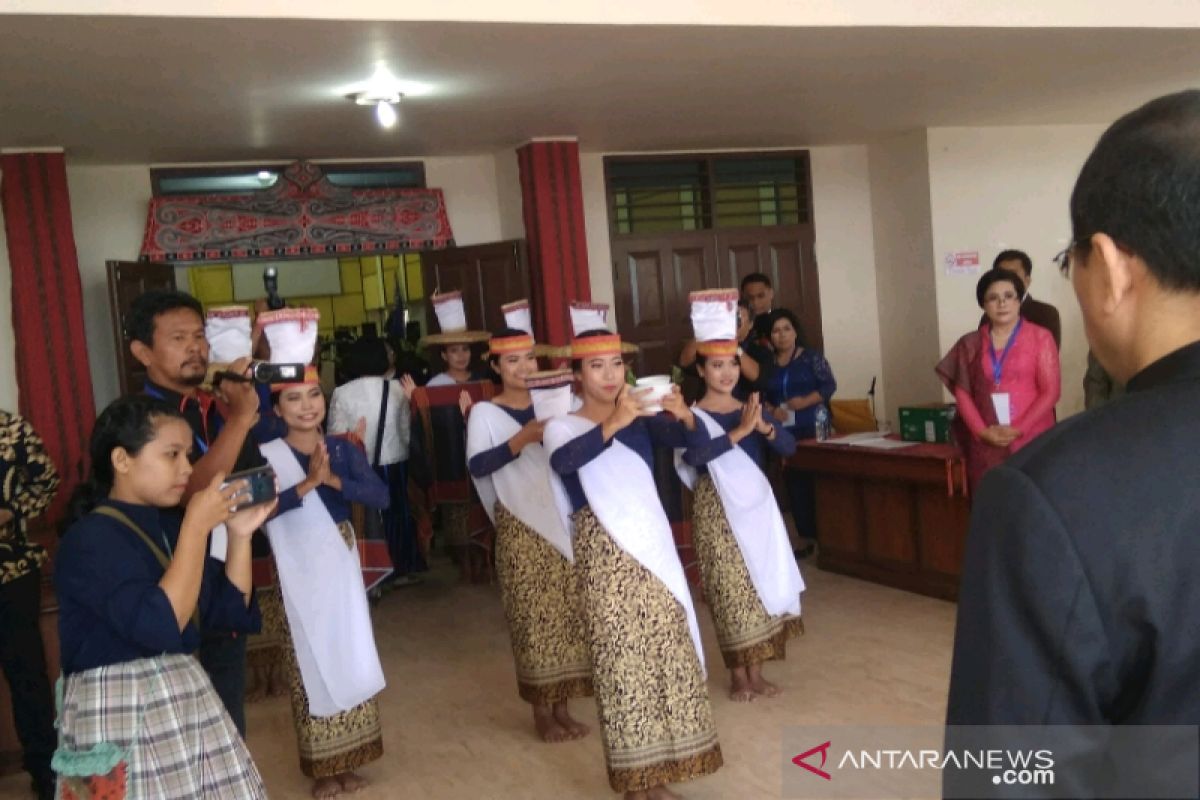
1000, 402
791, 418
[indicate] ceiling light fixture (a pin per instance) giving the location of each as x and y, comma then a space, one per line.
380, 91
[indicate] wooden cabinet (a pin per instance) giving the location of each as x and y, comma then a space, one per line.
896, 517
488, 275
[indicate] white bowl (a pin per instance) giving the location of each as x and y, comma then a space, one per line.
651, 390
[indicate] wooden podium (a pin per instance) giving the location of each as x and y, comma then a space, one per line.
896, 517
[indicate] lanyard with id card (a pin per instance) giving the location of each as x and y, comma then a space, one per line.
1002, 401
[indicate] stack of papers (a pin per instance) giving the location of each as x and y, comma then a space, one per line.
872, 439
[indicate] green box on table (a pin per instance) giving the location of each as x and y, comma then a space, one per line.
927, 423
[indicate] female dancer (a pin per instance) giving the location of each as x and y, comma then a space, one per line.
655, 716
533, 549
751, 580
332, 665
139, 717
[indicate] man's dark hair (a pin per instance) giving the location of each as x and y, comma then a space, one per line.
755, 277
366, 357
997, 275
1014, 255
1139, 186
139, 326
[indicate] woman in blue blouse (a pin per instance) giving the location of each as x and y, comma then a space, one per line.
647, 662
750, 579
139, 716
332, 665
799, 383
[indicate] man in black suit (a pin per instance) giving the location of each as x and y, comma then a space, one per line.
1018, 263
1080, 603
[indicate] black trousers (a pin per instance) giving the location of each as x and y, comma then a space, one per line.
223, 656
24, 663
399, 529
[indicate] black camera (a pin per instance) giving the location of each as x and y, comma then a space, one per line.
263, 372
260, 486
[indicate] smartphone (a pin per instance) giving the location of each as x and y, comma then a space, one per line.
260, 486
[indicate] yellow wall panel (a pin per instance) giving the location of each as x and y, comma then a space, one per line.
212, 285
414, 284
348, 310
372, 283
351, 275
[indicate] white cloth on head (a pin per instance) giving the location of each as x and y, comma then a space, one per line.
519, 318
589, 317
228, 333
360, 399
292, 334
324, 597
714, 320
451, 314
523, 484
755, 520
621, 492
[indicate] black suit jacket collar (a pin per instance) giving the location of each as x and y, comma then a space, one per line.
1183, 364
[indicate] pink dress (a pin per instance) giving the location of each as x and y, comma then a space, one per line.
1030, 377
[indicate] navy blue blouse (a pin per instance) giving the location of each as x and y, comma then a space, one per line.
486, 462
111, 608
641, 436
807, 372
360, 484
784, 444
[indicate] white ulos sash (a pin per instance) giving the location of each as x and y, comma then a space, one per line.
324, 598
755, 520
620, 490
523, 485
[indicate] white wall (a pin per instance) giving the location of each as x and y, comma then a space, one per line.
109, 206
508, 195
108, 212
8, 344
595, 225
996, 188
846, 263
906, 300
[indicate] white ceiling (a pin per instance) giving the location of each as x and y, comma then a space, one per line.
162, 90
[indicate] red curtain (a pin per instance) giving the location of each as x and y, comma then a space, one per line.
552, 202
53, 379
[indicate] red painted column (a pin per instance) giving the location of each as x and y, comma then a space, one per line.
53, 379
552, 202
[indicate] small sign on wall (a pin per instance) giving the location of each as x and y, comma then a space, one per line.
962, 262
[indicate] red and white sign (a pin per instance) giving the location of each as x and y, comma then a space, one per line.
962, 262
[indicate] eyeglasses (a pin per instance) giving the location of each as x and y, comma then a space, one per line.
1063, 259
1006, 297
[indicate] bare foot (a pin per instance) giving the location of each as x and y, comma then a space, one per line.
326, 787
548, 728
352, 782
563, 716
740, 689
761, 685
662, 793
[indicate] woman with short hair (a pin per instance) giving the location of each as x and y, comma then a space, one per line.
1005, 376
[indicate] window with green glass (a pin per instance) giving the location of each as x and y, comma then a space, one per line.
667, 194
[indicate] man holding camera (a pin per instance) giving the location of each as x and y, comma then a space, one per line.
166, 334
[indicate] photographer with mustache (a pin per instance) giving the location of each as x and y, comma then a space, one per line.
166, 335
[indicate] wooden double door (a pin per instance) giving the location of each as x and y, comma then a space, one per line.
653, 274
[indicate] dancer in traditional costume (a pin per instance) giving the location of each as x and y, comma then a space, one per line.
139, 718
332, 666
751, 580
534, 562
647, 660
438, 453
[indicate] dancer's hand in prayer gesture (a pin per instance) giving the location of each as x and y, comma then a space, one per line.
751, 417
464, 403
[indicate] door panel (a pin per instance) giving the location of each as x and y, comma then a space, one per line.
127, 280
488, 275
652, 276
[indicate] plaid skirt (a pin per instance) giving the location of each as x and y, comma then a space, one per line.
163, 712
